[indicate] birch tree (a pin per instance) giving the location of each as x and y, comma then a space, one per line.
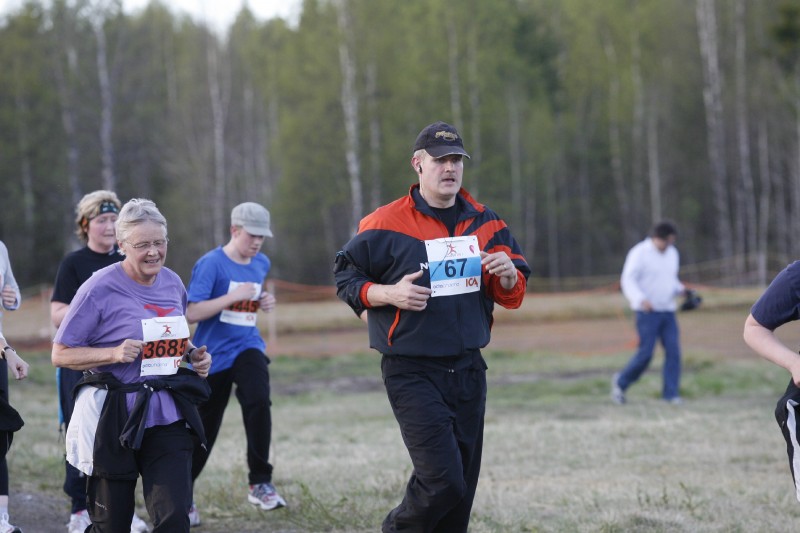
106, 103
715, 123
349, 99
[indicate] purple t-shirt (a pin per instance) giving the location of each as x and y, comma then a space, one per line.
780, 303
109, 308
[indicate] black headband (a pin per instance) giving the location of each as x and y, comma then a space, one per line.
108, 207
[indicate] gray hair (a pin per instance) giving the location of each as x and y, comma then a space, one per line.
138, 211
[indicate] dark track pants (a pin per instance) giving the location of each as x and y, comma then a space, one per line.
74, 480
251, 375
164, 462
441, 416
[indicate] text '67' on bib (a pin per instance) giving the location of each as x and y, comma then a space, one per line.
454, 265
244, 312
165, 341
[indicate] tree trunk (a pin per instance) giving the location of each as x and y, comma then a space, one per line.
26, 169
68, 121
653, 163
349, 100
640, 122
765, 172
107, 107
586, 264
515, 158
551, 209
712, 99
219, 201
621, 189
376, 189
473, 81
452, 63
747, 190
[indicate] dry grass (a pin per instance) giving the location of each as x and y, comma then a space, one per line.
559, 457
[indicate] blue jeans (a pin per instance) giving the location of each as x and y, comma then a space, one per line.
652, 326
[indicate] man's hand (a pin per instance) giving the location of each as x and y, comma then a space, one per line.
200, 360
404, 294
500, 265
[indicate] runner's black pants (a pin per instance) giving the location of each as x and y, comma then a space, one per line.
164, 462
74, 480
440, 412
250, 373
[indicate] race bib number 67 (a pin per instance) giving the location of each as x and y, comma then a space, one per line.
454, 265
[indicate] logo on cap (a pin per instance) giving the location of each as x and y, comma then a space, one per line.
446, 135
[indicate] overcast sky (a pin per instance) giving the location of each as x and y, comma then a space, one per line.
219, 13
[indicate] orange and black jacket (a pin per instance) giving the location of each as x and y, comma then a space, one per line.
390, 244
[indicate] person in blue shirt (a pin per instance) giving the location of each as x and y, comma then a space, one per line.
779, 305
225, 297
650, 283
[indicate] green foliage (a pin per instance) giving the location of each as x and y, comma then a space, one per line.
555, 77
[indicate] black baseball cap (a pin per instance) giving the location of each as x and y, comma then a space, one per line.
440, 139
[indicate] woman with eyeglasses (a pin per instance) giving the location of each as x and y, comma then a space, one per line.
136, 405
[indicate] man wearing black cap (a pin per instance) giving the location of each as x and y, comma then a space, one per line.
428, 269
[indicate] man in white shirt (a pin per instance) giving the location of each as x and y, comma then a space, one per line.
650, 283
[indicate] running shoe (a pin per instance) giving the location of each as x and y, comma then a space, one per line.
78, 522
264, 496
617, 394
194, 516
5, 527
138, 525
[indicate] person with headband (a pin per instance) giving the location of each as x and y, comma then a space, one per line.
10, 421
96, 214
135, 411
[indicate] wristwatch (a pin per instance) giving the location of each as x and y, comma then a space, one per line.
3, 351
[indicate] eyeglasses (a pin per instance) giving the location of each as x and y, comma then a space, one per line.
159, 244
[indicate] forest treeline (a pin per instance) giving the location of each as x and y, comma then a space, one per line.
586, 122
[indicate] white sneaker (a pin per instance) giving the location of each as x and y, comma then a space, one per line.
5, 527
617, 394
264, 496
194, 516
78, 522
138, 525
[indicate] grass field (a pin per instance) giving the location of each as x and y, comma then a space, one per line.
559, 457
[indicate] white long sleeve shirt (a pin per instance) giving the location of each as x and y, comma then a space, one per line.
652, 275
6, 278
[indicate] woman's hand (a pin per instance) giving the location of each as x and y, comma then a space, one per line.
127, 352
17, 366
9, 296
200, 360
